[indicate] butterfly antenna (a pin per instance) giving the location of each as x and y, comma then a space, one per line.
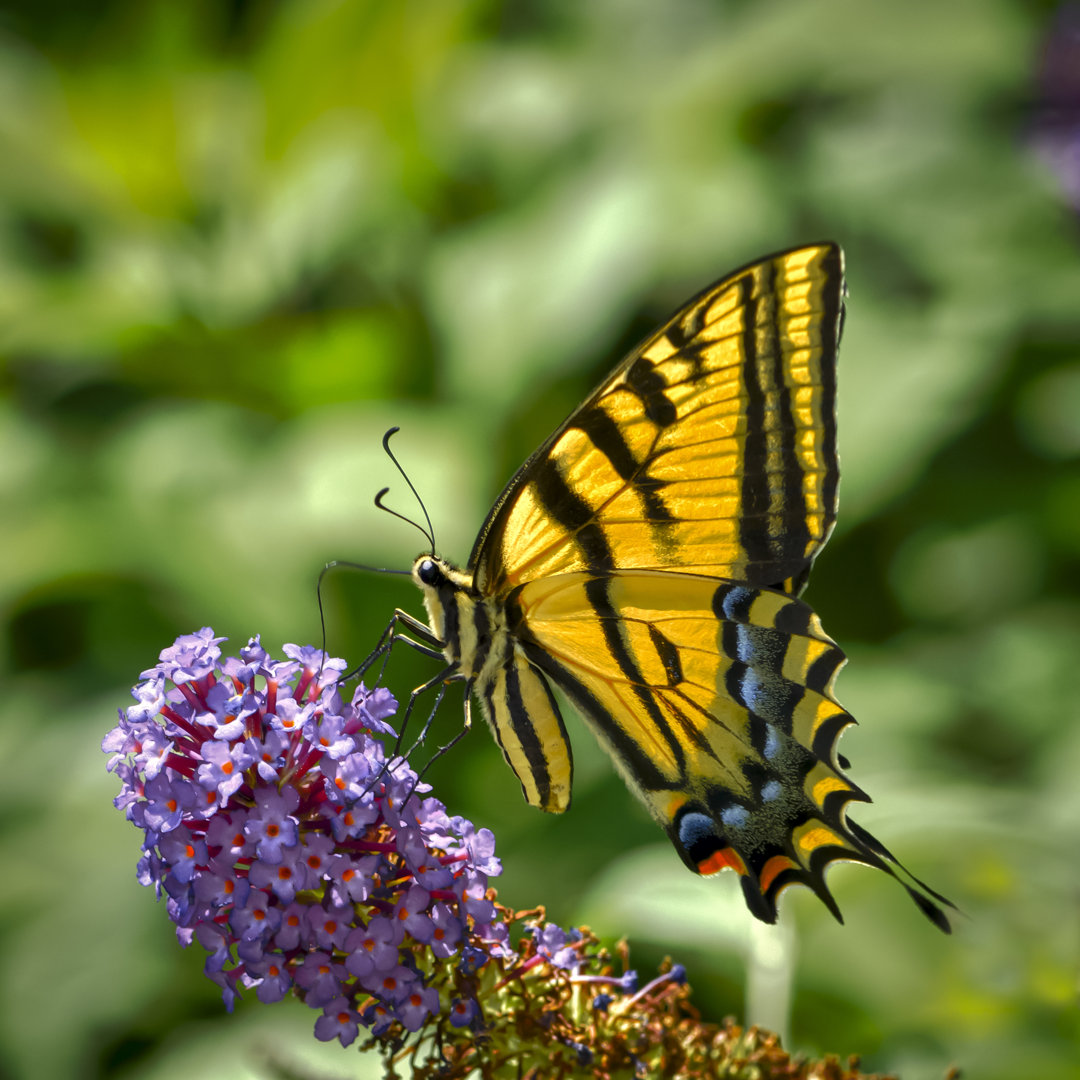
429, 533
319, 598
322, 614
362, 566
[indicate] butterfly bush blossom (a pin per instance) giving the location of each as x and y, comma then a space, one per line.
308, 862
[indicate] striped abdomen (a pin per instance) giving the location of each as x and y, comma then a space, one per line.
515, 698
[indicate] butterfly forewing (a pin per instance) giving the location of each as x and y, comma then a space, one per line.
711, 449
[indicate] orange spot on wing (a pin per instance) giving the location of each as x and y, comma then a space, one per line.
721, 860
773, 867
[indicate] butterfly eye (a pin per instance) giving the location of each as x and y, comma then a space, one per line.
428, 572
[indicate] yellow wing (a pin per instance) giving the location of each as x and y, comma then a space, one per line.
715, 701
711, 449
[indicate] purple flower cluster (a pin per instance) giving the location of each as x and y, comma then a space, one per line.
294, 851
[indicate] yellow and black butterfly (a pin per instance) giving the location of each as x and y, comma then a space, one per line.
647, 560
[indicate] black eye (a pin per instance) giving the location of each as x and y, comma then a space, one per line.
428, 572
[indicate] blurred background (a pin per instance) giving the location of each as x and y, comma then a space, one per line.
238, 241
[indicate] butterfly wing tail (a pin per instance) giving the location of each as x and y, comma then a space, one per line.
707, 843
794, 825
929, 900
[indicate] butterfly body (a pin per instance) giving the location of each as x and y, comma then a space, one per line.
647, 560
479, 639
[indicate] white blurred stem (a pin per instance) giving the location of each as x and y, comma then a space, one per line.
770, 972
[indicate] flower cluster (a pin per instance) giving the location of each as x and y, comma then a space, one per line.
290, 847
307, 861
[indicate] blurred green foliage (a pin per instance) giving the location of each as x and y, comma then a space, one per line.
240, 240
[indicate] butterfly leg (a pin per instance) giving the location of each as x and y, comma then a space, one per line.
447, 675
428, 645
419, 740
466, 728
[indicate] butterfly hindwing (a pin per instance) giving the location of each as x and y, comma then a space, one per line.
711, 448
524, 718
715, 700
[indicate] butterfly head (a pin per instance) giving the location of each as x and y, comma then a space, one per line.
437, 578
447, 591
428, 571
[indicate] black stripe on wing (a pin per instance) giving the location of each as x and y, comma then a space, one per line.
574, 514
832, 328
604, 433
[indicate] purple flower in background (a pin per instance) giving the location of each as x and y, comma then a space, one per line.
413, 914
1056, 125
446, 931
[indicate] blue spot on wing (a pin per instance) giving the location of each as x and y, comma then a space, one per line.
772, 743
735, 603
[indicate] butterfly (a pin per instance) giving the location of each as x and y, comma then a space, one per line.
647, 561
